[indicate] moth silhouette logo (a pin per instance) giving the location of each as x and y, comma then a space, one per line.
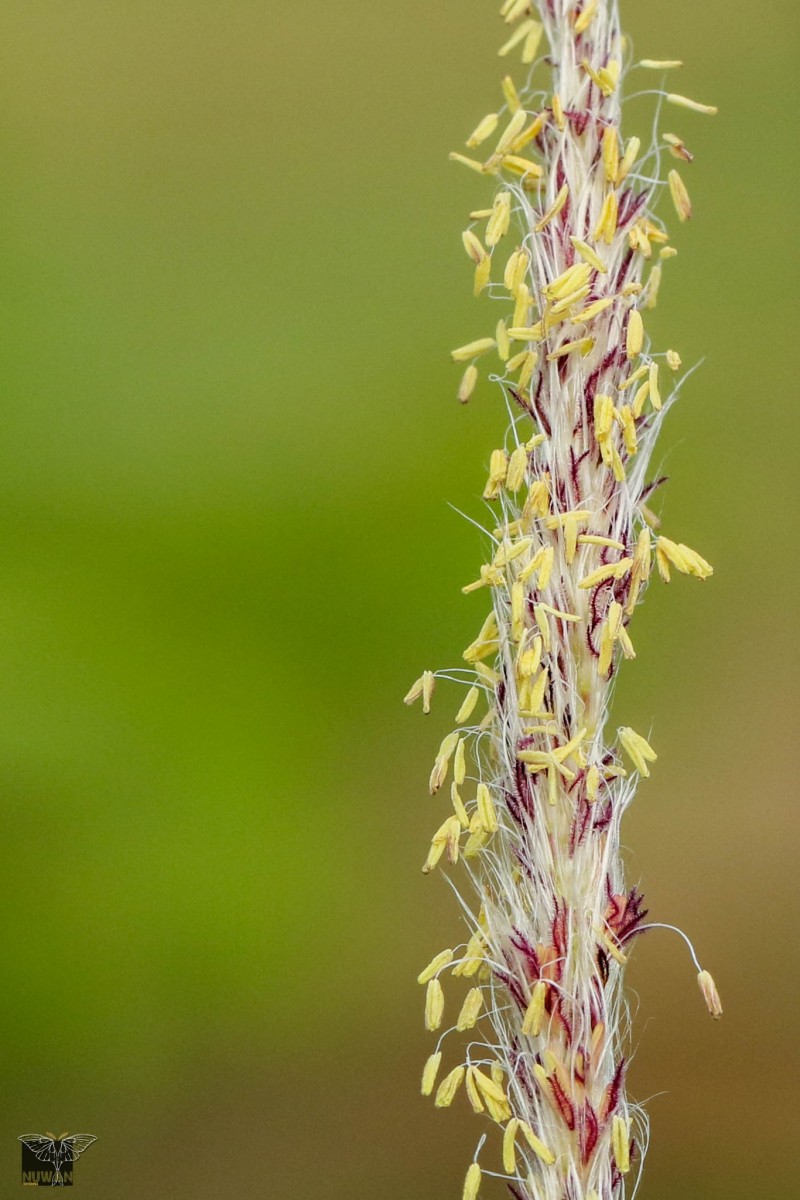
47, 1160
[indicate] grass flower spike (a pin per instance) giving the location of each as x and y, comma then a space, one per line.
528, 1015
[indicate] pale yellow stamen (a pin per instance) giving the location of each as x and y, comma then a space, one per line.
448, 1087
470, 1010
634, 337
472, 1183
620, 1143
637, 748
710, 994
468, 706
685, 102
680, 196
534, 1013
472, 349
554, 209
429, 1073
467, 385
434, 1005
440, 960
586, 252
483, 130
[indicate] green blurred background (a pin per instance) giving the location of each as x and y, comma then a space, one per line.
228, 441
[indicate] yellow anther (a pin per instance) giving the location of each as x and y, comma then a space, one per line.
628, 428
473, 165
637, 748
440, 960
448, 1087
532, 43
589, 255
652, 288
522, 306
677, 147
610, 152
509, 1148
531, 133
634, 337
673, 360
486, 809
519, 35
592, 310
586, 16
608, 76
537, 1146
529, 659
568, 281
473, 246
503, 344
638, 400
499, 221
470, 1010
607, 224
492, 1093
511, 131
434, 1005
685, 102
472, 1183
655, 394
507, 552
620, 1144
526, 333
592, 784
498, 466
683, 558
516, 270
483, 130
639, 240
510, 93
423, 687
472, 349
710, 994
488, 675
429, 1073
535, 692
446, 838
610, 571
680, 196
534, 1013
569, 301
483, 270
557, 520
596, 539
517, 466
628, 159
603, 416
525, 375
582, 347
468, 706
634, 377
460, 763
538, 502
517, 611
467, 385
554, 209
458, 806
660, 64
522, 166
